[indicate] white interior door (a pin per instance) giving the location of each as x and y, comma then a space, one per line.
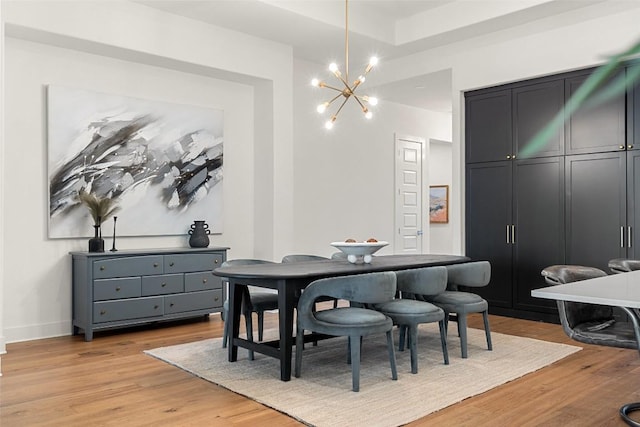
409, 194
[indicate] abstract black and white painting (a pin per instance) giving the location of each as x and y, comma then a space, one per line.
160, 162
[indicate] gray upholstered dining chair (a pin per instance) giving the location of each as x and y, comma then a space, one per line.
408, 313
591, 323
469, 275
624, 265
253, 301
305, 258
352, 322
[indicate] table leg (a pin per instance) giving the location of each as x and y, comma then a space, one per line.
286, 303
235, 301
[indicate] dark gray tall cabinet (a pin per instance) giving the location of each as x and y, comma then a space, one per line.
571, 202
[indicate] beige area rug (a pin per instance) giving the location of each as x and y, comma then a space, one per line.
322, 396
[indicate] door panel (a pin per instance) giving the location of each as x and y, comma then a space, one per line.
595, 127
595, 208
534, 106
633, 204
409, 190
539, 218
488, 221
488, 126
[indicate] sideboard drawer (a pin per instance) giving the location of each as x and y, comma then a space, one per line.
201, 281
126, 287
129, 266
183, 263
136, 308
163, 284
193, 301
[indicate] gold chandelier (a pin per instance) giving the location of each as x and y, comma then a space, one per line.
349, 90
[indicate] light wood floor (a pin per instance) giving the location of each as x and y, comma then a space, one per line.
109, 381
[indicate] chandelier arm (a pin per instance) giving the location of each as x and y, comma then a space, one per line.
333, 88
359, 102
341, 105
334, 98
346, 41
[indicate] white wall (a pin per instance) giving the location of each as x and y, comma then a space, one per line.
344, 178
129, 49
440, 173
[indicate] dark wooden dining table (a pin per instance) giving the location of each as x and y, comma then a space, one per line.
289, 279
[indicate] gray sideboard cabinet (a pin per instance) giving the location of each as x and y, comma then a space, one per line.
126, 288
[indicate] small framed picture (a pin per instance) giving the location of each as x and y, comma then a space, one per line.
439, 204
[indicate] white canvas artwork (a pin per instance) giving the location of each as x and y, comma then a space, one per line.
161, 163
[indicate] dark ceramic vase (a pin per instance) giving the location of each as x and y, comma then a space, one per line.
199, 234
96, 244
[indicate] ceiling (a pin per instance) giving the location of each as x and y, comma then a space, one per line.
387, 28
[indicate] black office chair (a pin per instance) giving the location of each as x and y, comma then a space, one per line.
591, 323
623, 265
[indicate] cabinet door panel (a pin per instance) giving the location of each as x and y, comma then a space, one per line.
595, 127
595, 208
488, 216
633, 204
534, 106
488, 126
539, 218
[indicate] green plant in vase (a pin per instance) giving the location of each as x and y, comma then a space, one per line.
100, 209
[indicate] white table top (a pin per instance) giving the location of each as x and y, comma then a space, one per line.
618, 290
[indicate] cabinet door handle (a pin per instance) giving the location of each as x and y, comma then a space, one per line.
508, 235
513, 234
621, 147
629, 146
622, 237
508, 157
629, 236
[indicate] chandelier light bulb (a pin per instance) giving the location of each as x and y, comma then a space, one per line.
333, 67
372, 100
368, 114
315, 82
322, 107
373, 61
362, 79
329, 124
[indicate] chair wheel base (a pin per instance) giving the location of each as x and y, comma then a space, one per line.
626, 409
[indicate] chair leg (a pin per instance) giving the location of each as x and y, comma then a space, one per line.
299, 348
487, 331
462, 331
403, 333
248, 321
443, 340
355, 362
392, 355
413, 346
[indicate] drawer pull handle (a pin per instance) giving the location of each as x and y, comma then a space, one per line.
164, 284
216, 299
102, 268
171, 305
118, 289
155, 307
171, 264
204, 280
103, 312
155, 264
215, 262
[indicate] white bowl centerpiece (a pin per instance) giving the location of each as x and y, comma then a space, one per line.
354, 249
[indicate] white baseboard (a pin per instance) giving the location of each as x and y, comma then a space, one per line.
36, 332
